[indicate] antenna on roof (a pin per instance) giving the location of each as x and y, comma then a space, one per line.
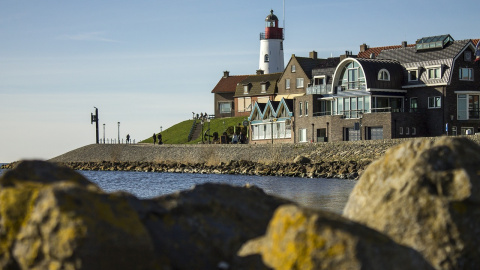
284, 17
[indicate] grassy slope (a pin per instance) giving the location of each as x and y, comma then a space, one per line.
178, 134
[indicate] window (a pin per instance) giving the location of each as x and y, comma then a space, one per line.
225, 107
352, 77
264, 87
401, 130
454, 131
303, 135
299, 82
287, 83
266, 58
434, 72
383, 75
245, 89
413, 75
293, 68
244, 104
414, 131
300, 108
413, 104
466, 74
407, 132
434, 102
306, 108
473, 107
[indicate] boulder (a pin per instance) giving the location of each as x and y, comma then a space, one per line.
299, 238
302, 160
426, 195
53, 218
203, 228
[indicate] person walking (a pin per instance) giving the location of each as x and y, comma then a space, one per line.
159, 138
154, 138
128, 138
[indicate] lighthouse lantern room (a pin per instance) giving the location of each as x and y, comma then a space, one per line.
271, 46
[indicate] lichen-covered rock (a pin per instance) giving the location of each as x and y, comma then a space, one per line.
53, 218
205, 227
425, 195
299, 238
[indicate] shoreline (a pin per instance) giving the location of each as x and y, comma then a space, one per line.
349, 170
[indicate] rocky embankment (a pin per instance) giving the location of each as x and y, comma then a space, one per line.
417, 207
345, 160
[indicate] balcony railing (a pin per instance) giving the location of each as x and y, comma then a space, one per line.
359, 113
321, 89
271, 36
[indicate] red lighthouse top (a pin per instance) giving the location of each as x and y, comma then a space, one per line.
272, 31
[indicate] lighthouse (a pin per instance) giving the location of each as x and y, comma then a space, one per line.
271, 46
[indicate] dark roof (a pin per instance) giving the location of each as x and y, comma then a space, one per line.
228, 84
410, 54
327, 68
372, 67
271, 17
377, 50
308, 64
255, 82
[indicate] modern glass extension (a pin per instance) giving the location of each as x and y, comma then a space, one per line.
355, 107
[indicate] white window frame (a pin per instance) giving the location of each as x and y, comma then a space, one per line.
245, 89
414, 131
437, 102
287, 83
435, 67
264, 88
401, 130
383, 75
306, 108
299, 82
294, 69
407, 131
417, 72
469, 74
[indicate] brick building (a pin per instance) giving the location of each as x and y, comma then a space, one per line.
426, 89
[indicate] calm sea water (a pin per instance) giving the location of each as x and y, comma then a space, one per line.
317, 193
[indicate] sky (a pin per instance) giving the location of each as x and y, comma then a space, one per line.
149, 64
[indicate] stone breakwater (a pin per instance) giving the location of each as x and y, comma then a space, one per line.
346, 160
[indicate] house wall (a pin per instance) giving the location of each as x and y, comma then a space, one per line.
288, 74
223, 97
247, 113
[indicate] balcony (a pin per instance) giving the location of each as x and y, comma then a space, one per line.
264, 36
321, 89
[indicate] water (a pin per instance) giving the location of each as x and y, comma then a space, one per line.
317, 193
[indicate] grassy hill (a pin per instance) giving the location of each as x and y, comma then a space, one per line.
178, 134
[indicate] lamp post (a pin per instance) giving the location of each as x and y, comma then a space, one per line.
103, 133
94, 118
160, 129
201, 121
118, 132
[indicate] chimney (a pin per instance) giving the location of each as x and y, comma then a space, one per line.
404, 44
313, 54
226, 73
260, 72
363, 47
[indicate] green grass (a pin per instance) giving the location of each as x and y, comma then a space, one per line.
178, 134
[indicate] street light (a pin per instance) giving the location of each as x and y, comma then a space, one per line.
118, 132
160, 129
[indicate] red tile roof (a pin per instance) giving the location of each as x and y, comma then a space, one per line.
228, 84
377, 50
475, 41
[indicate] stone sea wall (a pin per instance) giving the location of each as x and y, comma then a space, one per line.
345, 160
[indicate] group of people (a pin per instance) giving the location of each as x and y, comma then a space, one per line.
201, 116
159, 136
240, 138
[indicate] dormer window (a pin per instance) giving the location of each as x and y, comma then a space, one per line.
413, 74
246, 88
264, 87
383, 75
434, 72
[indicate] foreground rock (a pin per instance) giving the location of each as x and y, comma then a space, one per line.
304, 239
53, 218
425, 195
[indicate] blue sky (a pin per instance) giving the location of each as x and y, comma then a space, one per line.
148, 63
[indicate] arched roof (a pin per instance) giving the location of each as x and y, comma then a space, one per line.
371, 68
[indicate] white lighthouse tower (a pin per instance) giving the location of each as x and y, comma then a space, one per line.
271, 46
